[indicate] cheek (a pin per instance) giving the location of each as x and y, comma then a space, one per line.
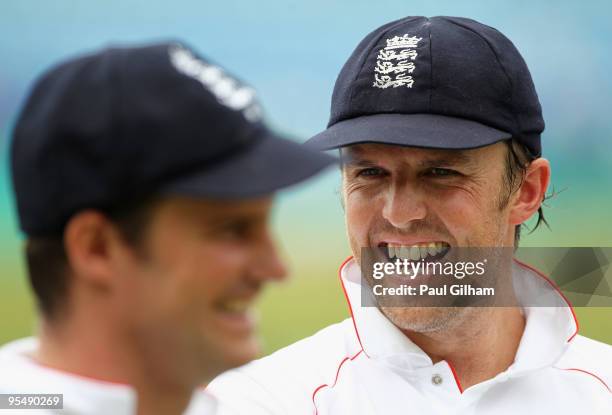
456, 207
195, 274
359, 215
180, 280
471, 217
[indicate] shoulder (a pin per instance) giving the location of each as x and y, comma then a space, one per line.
289, 375
14, 365
325, 346
588, 357
14, 348
583, 351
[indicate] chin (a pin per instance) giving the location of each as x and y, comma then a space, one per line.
421, 319
239, 352
222, 353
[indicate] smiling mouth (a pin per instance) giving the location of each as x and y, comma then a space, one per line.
236, 315
235, 306
430, 252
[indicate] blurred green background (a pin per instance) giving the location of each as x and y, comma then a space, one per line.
292, 52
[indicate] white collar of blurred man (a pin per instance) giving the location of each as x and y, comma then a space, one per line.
80, 395
157, 296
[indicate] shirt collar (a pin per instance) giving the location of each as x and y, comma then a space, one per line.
548, 330
82, 395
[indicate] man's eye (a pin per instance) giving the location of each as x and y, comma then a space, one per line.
441, 172
370, 172
235, 230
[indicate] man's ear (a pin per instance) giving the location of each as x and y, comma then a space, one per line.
530, 195
90, 240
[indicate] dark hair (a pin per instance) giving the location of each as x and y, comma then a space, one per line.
47, 262
518, 158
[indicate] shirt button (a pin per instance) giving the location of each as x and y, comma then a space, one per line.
436, 379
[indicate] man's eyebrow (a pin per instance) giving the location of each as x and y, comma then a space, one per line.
351, 160
220, 222
447, 159
239, 216
352, 157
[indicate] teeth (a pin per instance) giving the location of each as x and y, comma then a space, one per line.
423, 251
416, 252
236, 306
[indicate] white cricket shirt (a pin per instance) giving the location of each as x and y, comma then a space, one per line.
81, 396
365, 365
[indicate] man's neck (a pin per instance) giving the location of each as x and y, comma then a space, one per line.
481, 346
100, 355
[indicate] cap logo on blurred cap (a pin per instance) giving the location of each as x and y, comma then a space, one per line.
227, 90
395, 61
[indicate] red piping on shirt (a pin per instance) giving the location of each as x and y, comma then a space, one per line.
349, 303
455, 376
314, 394
588, 373
318, 388
552, 284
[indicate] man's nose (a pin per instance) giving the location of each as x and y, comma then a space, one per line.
267, 264
404, 203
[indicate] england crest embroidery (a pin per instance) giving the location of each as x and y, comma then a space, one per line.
395, 62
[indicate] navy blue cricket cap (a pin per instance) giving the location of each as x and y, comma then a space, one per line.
126, 122
440, 82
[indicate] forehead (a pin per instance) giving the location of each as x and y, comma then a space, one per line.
360, 153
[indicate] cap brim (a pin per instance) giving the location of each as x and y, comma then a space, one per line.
266, 165
417, 130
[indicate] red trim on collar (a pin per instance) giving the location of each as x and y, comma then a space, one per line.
455, 376
552, 284
349, 303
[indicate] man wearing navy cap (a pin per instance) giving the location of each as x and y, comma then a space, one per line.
144, 179
438, 125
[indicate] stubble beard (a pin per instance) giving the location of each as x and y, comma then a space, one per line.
432, 319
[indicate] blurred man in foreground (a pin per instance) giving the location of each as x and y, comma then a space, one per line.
144, 179
438, 124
